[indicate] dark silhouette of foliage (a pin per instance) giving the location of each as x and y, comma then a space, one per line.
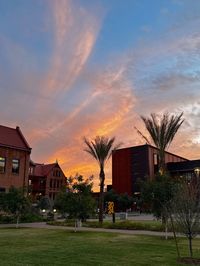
162, 131
185, 209
157, 194
76, 200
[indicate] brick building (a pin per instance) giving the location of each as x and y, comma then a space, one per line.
45, 180
137, 163
14, 158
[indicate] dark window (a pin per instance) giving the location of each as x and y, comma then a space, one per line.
51, 183
15, 166
2, 189
2, 164
30, 170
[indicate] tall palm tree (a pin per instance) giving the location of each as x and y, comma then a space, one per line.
101, 150
162, 132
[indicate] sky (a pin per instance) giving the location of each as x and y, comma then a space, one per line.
70, 69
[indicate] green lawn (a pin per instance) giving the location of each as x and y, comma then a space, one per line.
59, 247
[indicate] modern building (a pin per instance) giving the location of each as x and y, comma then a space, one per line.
138, 163
14, 158
187, 169
45, 180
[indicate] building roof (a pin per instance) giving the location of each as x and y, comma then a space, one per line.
149, 146
183, 166
43, 169
13, 138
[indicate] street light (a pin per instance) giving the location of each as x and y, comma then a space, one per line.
197, 171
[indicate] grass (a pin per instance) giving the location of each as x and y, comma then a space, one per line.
59, 247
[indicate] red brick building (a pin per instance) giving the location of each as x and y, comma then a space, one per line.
45, 180
136, 163
14, 158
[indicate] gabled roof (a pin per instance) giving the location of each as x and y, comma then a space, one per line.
13, 138
44, 169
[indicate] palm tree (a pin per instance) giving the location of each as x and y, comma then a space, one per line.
162, 132
101, 150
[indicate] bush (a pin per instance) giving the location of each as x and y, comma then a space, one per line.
127, 225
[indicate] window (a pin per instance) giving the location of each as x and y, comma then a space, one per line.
15, 166
155, 159
30, 170
56, 173
2, 164
51, 181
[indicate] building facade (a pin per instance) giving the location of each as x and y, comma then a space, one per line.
45, 180
129, 165
14, 159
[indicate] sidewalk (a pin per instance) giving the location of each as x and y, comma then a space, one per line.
88, 229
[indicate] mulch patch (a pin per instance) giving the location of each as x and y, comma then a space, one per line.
189, 261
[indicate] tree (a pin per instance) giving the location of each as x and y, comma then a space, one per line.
124, 201
14, 202
101, 150
186, 210
157, 194
162, 131
76, 199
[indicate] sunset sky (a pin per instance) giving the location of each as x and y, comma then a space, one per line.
78, 68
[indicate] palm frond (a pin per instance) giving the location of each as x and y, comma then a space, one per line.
143, 136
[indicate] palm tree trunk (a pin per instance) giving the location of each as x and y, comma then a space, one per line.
162, 162
101, 195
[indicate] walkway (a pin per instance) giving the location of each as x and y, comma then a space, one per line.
46, 226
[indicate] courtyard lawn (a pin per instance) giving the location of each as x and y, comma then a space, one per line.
59, 247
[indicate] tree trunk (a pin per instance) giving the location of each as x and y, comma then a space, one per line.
190, 245
162, 162
17, 223
101, 195
174, 233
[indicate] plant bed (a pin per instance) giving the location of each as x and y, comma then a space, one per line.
189, 261
126, 225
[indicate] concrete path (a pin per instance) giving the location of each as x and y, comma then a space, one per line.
89, 229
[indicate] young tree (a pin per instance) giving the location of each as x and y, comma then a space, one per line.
15, 203
77, 199
101, 150
124, 201
162, 131
157, 194
186, 210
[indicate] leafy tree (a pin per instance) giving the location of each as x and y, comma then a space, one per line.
45, 203
14, 202
101, 150
186, 210
162, 132
76, 199
157, 195
111, 195
124, 202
